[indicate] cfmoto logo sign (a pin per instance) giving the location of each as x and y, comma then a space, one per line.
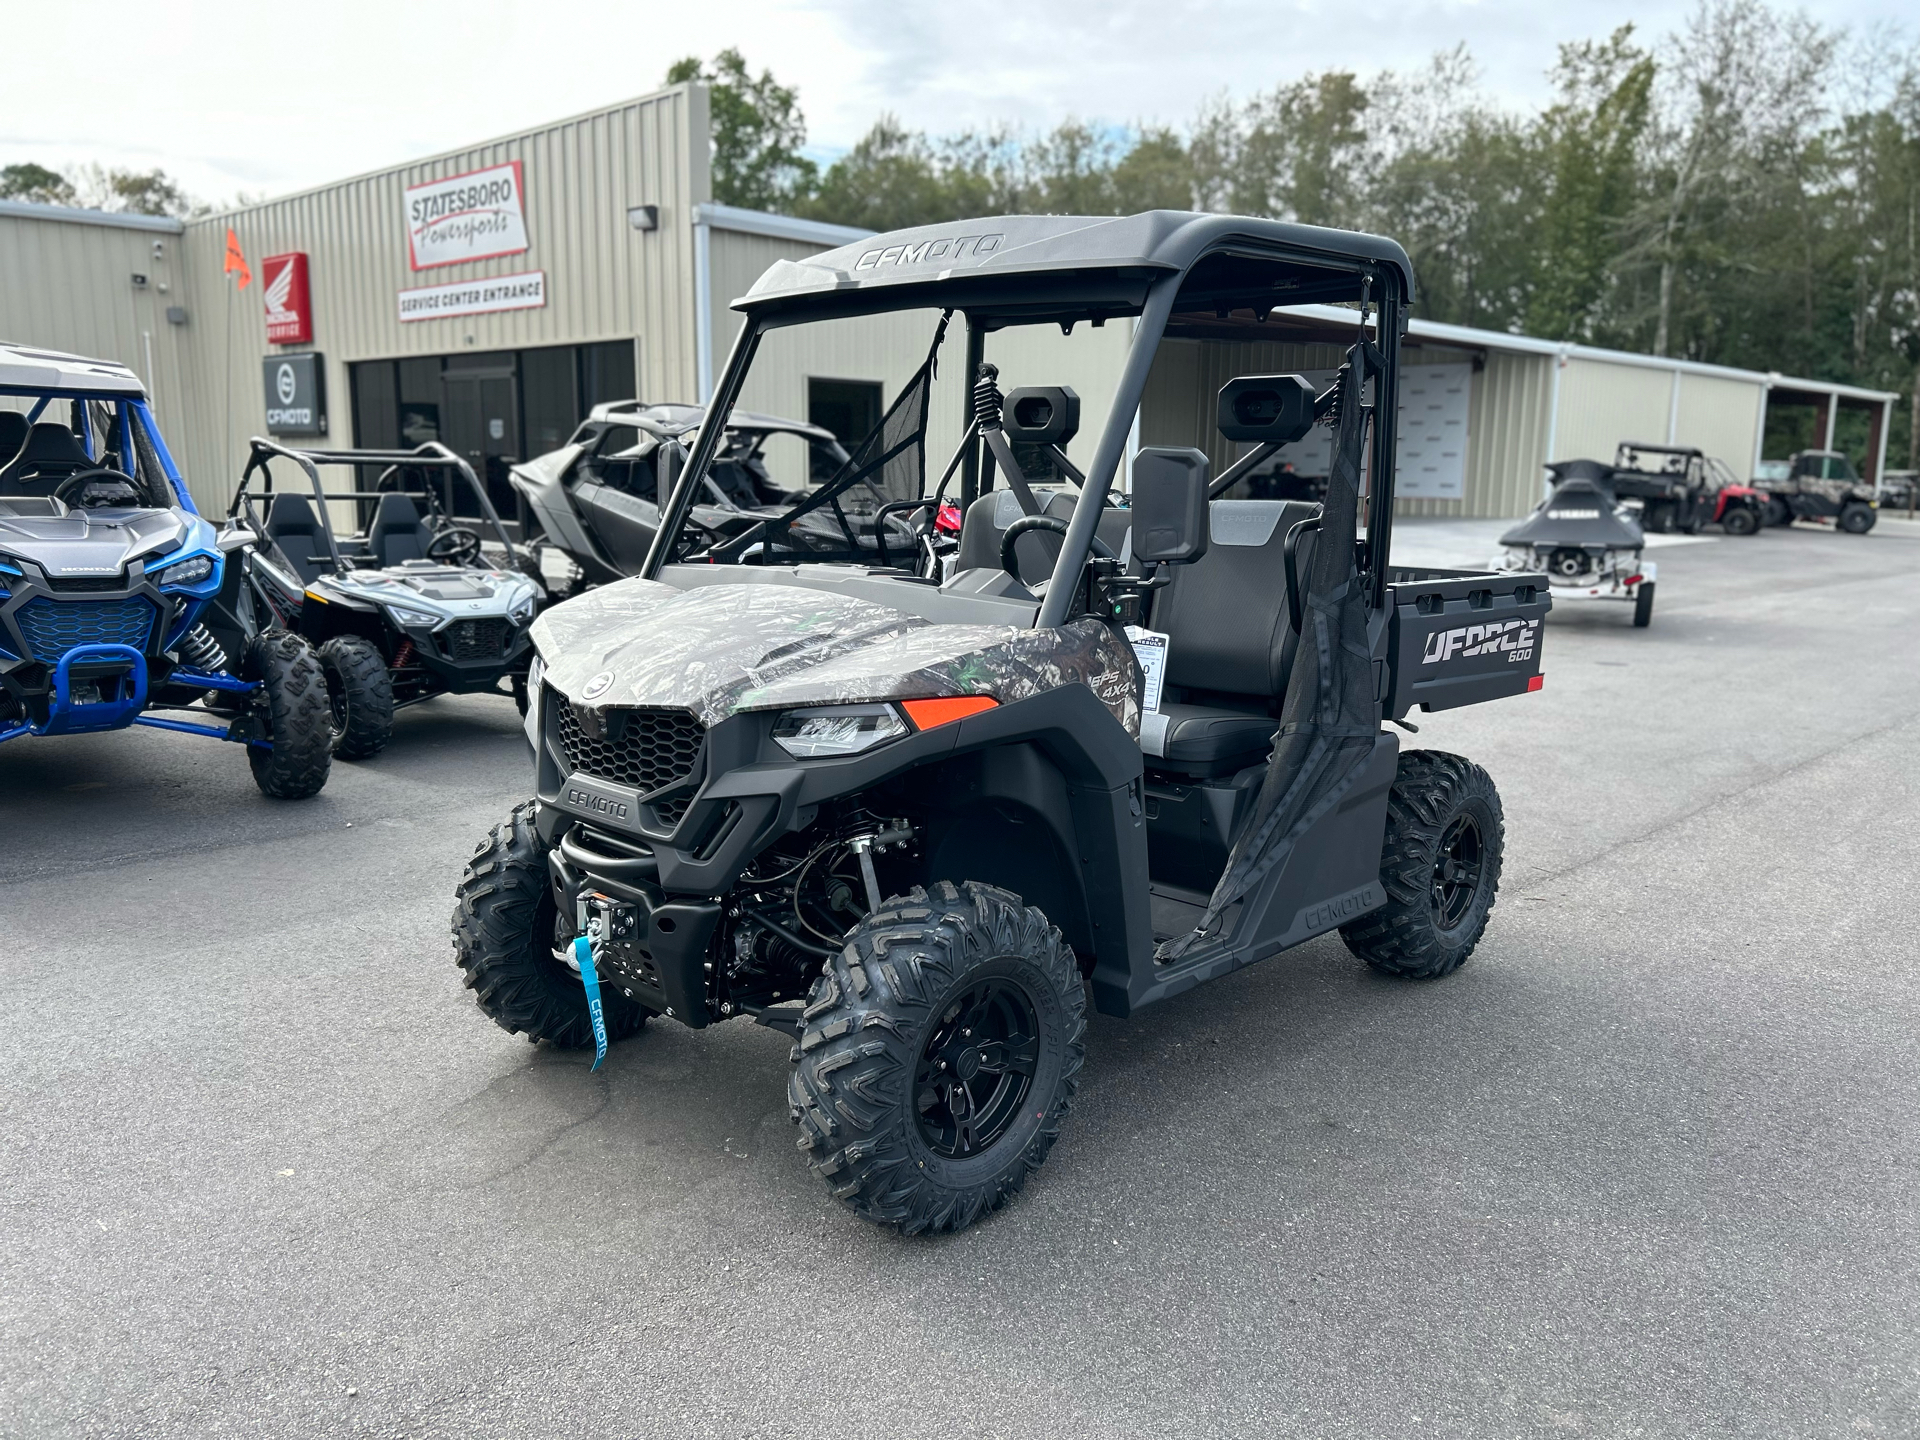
284, 385
598, 685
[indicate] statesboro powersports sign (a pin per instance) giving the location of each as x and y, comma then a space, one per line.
475, 216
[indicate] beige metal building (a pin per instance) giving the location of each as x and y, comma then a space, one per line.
490, 295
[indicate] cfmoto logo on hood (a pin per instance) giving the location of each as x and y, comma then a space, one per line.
598, 685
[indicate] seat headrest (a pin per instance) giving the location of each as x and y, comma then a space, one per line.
51, 443
292, 515
394, 512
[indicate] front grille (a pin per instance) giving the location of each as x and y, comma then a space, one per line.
83, 584
477, 639
644, 748
53, 627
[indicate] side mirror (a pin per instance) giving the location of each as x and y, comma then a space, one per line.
234, 538
1041, 414
1170, 505
1266, 409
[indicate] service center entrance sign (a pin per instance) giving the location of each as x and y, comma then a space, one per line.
284, 289
475, 216
296, 394
527, 291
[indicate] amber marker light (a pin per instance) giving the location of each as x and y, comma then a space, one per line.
926, 714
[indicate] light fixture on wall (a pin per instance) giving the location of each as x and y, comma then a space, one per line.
644, 217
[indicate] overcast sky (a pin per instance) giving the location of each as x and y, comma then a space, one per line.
231, 97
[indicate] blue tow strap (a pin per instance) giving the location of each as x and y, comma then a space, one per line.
583, 952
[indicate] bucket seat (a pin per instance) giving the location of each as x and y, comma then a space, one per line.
49, 454
396, 533
1230, 640
13, 434
295, 531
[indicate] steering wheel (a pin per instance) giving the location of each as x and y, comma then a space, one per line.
80, 479
456, 544
1026, 525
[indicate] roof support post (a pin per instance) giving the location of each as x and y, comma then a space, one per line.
1106, 459
712, 426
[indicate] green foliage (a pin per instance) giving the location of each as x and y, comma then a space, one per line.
35, 184
758, 132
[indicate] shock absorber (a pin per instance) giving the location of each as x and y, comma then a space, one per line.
987, 398
200, 650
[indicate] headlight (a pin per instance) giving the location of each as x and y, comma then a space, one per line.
836, 730
536, 672
419, 618
523, 612
188, 572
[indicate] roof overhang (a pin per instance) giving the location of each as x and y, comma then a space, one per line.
1016, 269
25, 370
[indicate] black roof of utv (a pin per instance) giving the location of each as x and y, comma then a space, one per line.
1032, 265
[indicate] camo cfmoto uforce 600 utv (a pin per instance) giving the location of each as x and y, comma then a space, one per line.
912, 823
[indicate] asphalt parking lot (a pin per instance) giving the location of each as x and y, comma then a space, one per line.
1647, 1166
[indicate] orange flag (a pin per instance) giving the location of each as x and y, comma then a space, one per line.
236, 261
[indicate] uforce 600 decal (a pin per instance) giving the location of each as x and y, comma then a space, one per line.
1515, 637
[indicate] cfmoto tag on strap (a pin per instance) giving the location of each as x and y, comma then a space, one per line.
583, 953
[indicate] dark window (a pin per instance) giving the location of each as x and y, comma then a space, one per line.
849, 408
419, 401
548, 404
376, 413
606, 373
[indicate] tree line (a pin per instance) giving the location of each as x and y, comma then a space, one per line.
1744, 191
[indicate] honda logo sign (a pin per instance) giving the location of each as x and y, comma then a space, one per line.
284, 289
296, 394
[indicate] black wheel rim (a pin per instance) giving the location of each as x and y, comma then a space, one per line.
336, 701
976, 1068
1457, 867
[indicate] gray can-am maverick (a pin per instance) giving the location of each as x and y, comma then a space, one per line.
908, 822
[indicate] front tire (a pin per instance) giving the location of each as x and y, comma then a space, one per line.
506, 928
1741, 520
941, 1050
1643, 605
295, 694
1440, 867
359, 696
1856, 518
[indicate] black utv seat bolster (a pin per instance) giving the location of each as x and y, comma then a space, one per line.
13, 434
1204, 735
396, 533
294, 529
986, 521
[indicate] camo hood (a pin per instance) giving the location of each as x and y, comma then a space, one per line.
718, 650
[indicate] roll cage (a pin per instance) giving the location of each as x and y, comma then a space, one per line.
432, 458
1176, 274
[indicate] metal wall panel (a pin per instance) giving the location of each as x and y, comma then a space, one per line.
68, 285
1723, 418
1602, 404
605, 281
1506, 424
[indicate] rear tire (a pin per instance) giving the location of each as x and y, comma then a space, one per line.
1741, 520
359, 696
295, 692
1779, 512
941, 1050
505, 929
1643, 605
1856, 518
1440, 867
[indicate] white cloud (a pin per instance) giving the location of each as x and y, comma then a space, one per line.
277, 98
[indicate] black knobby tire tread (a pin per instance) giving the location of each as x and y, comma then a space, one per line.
502, 948
299, 721
853, 1068
369, 686
1643, 605
1401, 938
